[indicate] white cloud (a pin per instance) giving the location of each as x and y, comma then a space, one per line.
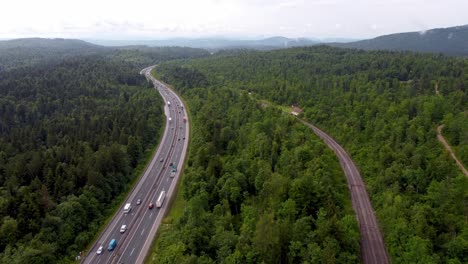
169, 18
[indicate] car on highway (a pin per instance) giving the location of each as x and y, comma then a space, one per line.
123, 228
112, 245
138, 202
99, 250
161, 160
151, 205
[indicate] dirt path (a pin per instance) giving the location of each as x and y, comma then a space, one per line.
449, 149
372, 244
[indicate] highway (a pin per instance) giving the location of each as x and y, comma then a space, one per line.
142, 222
372, 244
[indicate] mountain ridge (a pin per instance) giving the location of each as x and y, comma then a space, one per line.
450, 41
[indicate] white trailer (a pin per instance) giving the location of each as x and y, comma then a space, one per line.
161, 198
127, 208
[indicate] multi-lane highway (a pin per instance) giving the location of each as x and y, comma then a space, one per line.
372, 244
161, 175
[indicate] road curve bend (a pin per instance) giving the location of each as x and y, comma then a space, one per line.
372, 244
131, 231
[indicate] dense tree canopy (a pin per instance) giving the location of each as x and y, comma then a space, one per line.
260, 188
383, 107
72, 131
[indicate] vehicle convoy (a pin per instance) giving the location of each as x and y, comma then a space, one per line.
127, 208
112, 245
161, 198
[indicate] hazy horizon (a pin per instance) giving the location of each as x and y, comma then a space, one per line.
242, 19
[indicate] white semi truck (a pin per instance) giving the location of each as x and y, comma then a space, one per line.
127, 208
161, 198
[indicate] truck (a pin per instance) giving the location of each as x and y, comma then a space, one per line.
127, 208
161, 198
112, 245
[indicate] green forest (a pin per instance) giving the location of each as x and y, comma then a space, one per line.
78, 123
73, 130
260, 188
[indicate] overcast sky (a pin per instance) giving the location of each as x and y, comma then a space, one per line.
157, 19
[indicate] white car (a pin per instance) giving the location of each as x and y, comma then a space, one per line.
99, 250
123, 228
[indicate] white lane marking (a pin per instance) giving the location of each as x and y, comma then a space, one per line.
132, 251
151, 215
142, 232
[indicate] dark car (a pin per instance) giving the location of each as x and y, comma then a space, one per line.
151, 205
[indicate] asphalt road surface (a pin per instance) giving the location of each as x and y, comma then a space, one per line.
142, 222
372, 244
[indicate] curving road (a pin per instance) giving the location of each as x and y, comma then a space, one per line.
372, 244
142, 222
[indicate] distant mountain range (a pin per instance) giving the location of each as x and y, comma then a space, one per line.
57, 43
214, 43
450, 41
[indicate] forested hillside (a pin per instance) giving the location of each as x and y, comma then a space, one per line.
384, 108
72, 131
26, 52
451, 41
260, 188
